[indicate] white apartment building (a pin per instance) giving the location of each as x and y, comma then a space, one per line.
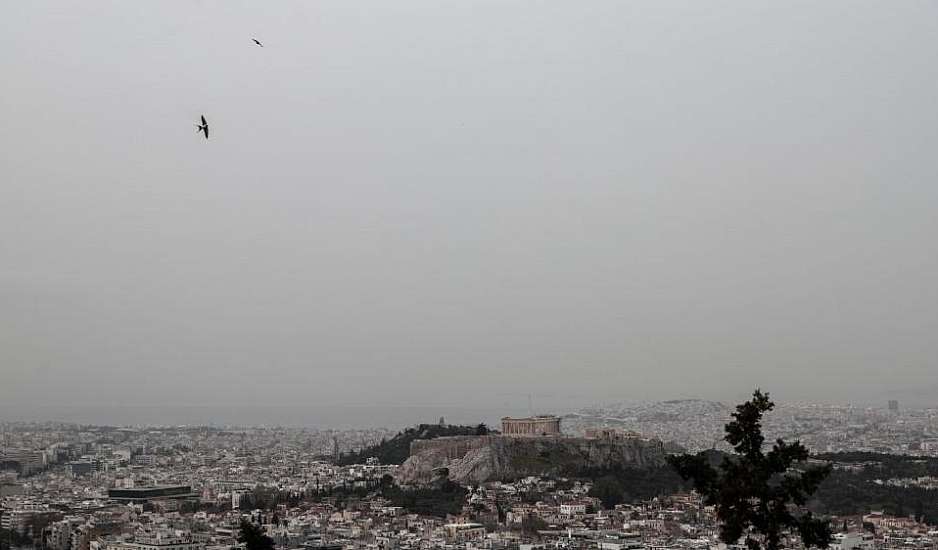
158, 540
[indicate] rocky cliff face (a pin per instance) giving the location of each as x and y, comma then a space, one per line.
473, 460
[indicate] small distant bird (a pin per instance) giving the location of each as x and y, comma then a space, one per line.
258, 42
203, 127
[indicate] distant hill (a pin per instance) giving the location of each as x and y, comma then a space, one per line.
397, 449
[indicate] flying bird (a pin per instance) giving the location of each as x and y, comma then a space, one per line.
258, 42
203, 127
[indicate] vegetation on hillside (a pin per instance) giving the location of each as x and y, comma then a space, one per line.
629, 485
397, 449
844, 492
863, 488
885, 464
440, 499
8, 537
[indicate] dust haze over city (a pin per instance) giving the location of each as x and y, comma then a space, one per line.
412, 209
468, 275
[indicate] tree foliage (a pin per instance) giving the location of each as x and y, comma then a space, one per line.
397, 449
531, 525
619, 485
254, 538
37, 524
440, 499
857, 490
759, 495
8, 537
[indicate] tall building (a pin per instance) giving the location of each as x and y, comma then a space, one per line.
81, 468
26, 461
893, 406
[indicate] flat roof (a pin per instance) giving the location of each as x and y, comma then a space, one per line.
146, 493
148, 489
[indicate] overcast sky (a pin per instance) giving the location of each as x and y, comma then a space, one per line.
440, 202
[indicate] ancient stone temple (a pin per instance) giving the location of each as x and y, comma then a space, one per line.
531, 427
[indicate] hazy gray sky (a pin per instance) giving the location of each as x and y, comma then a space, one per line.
434, 202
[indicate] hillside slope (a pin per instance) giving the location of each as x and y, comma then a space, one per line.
397, 449
473, 460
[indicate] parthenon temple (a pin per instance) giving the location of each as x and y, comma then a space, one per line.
531, 427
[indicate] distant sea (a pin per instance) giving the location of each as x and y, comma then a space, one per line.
317, 417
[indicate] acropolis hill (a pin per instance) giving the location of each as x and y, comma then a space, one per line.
523, 452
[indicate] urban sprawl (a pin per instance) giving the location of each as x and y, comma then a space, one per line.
78, 487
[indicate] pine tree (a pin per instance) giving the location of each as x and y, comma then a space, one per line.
254, 538
761, 496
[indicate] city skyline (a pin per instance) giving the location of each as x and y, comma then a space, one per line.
350, 417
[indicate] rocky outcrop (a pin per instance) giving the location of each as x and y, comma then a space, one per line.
476, 459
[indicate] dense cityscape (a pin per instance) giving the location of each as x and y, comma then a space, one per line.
80, 487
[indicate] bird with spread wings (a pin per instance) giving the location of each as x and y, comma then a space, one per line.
203, 127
